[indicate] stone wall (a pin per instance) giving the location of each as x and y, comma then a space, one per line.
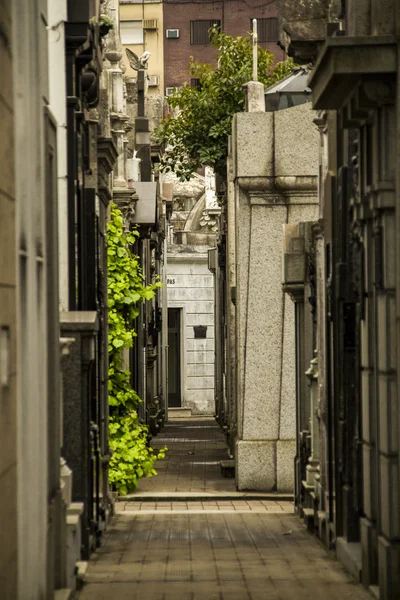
191, 288
37, 304
274, 163
8, 455
347, 488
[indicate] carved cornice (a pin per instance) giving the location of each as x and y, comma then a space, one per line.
106, 156
301, 183
321, 121
369, 95
295, 291
279, 190
107, 153
125, 199
318, 229
345, 62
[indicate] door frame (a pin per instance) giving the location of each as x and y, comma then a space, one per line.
182, 345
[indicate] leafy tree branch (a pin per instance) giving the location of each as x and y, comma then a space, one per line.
198, 133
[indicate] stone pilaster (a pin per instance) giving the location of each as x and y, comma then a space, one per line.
275, 183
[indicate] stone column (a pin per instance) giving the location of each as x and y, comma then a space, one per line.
117, 114
297, 272
231, 308
274, 173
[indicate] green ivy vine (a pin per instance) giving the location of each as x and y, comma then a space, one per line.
132, 458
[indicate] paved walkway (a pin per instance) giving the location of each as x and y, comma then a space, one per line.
235, 505
205, 541
195, 448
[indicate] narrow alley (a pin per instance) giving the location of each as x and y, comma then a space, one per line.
187, 534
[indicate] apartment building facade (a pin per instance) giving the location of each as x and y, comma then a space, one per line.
175, 30
186, 25
141, 30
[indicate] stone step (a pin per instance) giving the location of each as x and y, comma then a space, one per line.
227, 468
64, 594
179, 413
308, 516
203, 496
81, 573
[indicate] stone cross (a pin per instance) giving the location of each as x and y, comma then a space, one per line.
255, 48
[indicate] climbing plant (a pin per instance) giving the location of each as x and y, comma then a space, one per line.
197, 134
132, 458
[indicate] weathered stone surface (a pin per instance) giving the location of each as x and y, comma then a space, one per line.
285, 451
287, 417
389, 573
186, 190
262, 327
255, 130
255, 101
305, 21
6, 148
191, 288
256, 465
308, 211
275, 182
296, 142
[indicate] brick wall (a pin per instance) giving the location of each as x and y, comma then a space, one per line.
235, 18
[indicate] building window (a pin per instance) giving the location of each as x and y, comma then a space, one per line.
195, 83
131, 32
199, 31
268, 30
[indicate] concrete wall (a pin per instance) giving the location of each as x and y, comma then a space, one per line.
191, 288
8, 413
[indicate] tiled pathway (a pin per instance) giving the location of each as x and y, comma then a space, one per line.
196, 446
170, 543
201, 506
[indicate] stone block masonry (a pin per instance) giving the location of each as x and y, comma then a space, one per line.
191, 289
274, 184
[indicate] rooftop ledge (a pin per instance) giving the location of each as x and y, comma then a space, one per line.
344, 61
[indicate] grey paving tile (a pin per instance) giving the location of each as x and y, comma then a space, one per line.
162, 548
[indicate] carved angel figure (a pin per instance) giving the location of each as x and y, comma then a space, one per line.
136, 62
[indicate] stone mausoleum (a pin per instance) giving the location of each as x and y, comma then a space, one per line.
272, 181
190, 286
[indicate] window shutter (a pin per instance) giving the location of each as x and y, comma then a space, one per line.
268, 30
199, 30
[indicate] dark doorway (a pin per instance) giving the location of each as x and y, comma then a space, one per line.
174, 357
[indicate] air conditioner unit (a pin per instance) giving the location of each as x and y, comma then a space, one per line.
172, 33
154, 80
150, 24
169, 91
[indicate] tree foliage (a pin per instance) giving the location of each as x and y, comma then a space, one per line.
132, 458
198, 134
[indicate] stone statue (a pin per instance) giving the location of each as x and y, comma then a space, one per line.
138, 63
